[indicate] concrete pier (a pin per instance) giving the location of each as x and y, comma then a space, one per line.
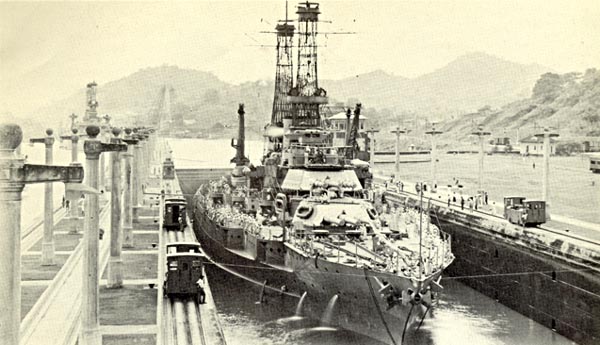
15, 175
48, 239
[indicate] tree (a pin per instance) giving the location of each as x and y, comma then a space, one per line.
548, 87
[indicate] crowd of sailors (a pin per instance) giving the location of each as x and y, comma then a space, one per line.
454, 194
394, 250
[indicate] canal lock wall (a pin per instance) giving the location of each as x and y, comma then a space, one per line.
550, 278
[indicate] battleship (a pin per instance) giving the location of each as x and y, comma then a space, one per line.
308, 222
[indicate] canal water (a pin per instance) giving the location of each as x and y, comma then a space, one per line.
462, 315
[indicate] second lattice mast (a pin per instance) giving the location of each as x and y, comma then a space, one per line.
306, 96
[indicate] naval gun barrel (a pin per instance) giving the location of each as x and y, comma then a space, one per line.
334, 220
349, 219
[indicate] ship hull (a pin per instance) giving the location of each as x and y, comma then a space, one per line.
358, 306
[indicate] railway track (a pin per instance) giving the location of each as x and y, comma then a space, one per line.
180, 317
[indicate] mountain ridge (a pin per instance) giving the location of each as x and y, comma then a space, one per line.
464, 84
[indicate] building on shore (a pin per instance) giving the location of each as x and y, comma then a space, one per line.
534, 146
339, 124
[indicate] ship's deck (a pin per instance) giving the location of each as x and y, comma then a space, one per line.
372, 253
271, 232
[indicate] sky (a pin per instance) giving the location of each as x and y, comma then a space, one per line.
50, 50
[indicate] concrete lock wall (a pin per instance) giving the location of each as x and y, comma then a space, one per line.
561, 294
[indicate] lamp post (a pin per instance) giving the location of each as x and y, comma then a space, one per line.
136, 170
127, 210
15, 174
371, 133
546, 135
481, 134
398, 131
433, 132
93, 148
115, 263
72, 195
48, 239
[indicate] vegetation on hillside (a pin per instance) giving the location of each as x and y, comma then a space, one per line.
567, 103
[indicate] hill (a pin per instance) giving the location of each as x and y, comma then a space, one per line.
201, 99
465, 84
569, 103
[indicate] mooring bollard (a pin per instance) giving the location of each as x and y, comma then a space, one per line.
115, 263
13, 177
93, 148
127, 210
48, 238
72, 196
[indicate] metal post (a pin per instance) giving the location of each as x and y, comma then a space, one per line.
48, 239
127, 211
89, 313
15, 174
481, 134
372, 132
546, 135
433, 132
115, 263
397, 131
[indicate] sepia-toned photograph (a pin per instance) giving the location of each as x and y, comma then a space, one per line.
277, 172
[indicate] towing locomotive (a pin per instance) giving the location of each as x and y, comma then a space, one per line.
520, 211
184, 277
